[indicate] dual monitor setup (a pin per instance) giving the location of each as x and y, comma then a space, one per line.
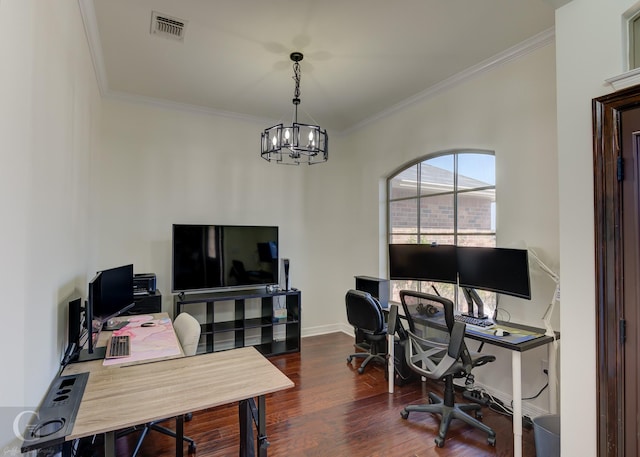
500, 270
110, 294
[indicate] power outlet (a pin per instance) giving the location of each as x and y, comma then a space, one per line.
544, 366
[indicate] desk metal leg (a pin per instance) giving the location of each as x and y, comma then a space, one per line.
390, 362
553, 379
250, 414
516, 371
179, 435
262, 427
110, 444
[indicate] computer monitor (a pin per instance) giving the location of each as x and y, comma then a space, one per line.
116, 293
423, 262
110, 294
74, 330
501, 270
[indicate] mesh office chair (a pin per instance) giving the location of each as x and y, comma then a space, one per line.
440, 358
187, 330
365, 314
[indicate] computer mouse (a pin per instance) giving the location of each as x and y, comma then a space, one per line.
148, 324
501, 332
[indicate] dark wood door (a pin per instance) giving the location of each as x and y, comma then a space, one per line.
616, 197
630, 120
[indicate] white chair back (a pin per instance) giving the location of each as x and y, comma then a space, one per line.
187, 329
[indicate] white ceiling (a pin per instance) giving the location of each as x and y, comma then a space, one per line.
363, 58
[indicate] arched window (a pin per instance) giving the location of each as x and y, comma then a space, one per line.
444, 198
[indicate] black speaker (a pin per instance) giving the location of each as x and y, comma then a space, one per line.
286, 279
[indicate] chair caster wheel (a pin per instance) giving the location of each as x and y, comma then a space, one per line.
349, 359
439, 441
404, 414
188, 417
360, 370
479, 415
492, 441
192, 449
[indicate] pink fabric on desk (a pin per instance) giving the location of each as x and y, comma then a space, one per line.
148, 343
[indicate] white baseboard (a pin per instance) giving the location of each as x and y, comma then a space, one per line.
325, 329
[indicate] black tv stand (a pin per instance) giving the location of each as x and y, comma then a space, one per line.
269, 321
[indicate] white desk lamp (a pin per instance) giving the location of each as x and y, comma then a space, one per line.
546, 318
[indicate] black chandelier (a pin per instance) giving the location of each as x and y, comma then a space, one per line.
297, 143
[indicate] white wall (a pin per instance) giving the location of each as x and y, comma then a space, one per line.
162, 166
510, 110
49, 117
589, 40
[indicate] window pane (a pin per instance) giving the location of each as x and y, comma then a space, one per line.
438, 239
404, 184
403, 239
476, 170
403, 216
476, 211
437, 175
485, 241
436, 214
444, 289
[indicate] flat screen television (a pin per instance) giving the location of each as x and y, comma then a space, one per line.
209, 257
501, 270
423, 262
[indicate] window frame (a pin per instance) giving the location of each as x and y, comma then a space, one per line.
455, 192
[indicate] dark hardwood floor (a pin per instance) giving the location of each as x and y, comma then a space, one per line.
334, 411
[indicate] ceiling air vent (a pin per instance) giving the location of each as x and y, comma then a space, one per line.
167, 26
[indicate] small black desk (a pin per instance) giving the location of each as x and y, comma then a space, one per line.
520, 340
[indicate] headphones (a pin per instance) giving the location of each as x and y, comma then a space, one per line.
428, 310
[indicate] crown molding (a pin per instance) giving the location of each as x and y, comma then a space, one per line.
628, 79
542, 39
88, 13
168, 104
87, 10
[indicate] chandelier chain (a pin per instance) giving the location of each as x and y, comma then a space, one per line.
296, 78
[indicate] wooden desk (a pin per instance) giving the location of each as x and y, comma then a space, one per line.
117, 397
517, 343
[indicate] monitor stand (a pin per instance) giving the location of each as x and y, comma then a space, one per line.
97, 354
471, 296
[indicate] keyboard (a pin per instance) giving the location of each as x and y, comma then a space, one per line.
474, 321
118, 346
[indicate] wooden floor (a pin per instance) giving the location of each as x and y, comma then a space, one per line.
334, 411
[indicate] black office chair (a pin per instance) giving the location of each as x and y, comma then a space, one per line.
365, 314
439, 358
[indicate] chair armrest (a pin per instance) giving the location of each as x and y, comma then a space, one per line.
456, 342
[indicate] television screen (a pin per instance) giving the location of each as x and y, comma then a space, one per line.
500, 270
223, 256
423, 262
